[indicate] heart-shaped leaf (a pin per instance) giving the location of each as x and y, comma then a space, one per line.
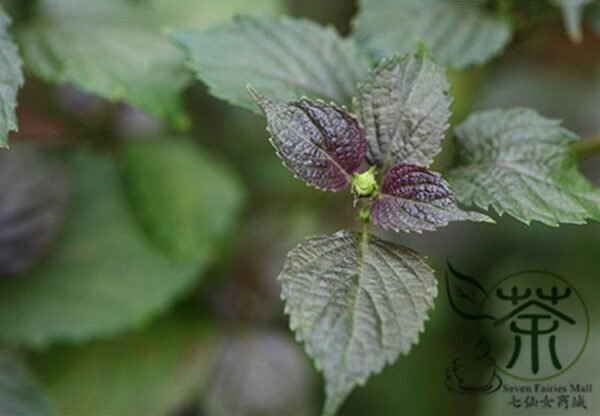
320, 143
415, 199
356, 302
403, 106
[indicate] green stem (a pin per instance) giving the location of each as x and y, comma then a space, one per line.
365, 234
587, 147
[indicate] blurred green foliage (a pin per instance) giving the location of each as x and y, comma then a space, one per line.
172, 243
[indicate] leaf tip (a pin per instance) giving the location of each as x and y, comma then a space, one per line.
260, 99
252, 91
478, 217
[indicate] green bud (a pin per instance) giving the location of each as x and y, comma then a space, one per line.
365, 184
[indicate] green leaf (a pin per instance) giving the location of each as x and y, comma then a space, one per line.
155, 371
458, 33
112, 48
199, 14
19, 394
186, 201
12, 79
284, 58
102, 278
521, 163
404, 108
356, 302
248, 374
413, 198
572, 11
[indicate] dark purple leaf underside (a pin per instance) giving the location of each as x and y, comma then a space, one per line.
416, 199
320, 143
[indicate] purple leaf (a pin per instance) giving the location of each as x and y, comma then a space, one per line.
415, 199
320, 143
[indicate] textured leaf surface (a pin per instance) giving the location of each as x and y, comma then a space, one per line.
415, 199
458, 33
320, 143
155, 371
32, 207
11, 79
112, 48
260, 373
103, 277
356, 302
572, 11
521, 163
284, 58
19, 394
404, 108
185, 200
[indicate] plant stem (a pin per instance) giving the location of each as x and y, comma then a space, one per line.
365, 234
587, 147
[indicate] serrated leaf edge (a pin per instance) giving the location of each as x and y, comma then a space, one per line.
354, 26
317, 363
569, 137
386, 63
258, 97
472, 216
221, 93
11, 126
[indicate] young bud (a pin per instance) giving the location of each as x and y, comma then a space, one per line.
365, 184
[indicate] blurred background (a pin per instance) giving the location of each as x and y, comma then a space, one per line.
104, 311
